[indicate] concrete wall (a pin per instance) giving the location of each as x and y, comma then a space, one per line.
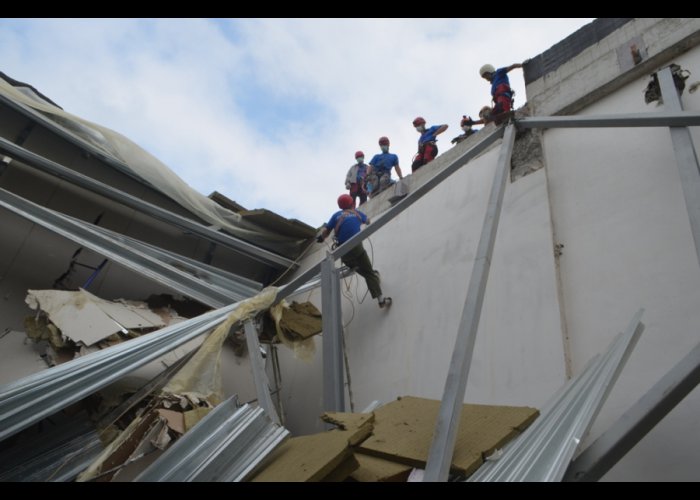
425, 257
608, 64
618, 207
611, 197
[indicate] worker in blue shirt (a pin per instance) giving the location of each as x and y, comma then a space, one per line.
427, 147
379, 171
347, 223
501, 93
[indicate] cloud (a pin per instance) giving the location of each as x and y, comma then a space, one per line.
270, 111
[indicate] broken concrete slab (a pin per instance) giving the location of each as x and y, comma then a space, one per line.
403, 431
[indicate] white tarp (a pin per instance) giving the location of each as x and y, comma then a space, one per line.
149, 168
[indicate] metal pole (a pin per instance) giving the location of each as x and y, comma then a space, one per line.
333, 380
57, 170
671, 118
596, 460
262, 384
686, 159
442, 447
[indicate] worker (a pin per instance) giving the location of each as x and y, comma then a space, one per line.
427, 147
466, 126
501, 93
379, 171
355, 179
346, 223
486, 116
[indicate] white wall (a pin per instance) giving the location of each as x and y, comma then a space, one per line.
618, 207
425, 257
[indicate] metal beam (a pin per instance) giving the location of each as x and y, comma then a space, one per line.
673, 118
686, 158
596, 460
36, 396
228, 444
262, 384
543, 451
442, 447
228, 281
146, 265
333, 379
57, 170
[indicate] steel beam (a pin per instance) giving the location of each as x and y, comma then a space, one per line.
596, 460
672, 118
543, 451
686, 158
57, 170
262, 384
442, 447
29, 399
144, 264
333, 379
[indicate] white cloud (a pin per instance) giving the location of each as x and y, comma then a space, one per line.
205, 103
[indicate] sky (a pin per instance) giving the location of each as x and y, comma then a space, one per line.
270, 112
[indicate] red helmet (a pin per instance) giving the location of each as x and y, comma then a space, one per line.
383, 141
419, 121
345, 201
358, 154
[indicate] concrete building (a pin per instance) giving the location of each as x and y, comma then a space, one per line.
596, 223
596, 229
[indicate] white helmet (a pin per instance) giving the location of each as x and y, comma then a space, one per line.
486, 68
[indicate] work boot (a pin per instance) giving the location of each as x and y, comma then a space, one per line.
385, 303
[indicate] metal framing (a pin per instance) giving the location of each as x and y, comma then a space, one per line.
543, 451
82, 233
673, 118
442, 446
50, 167
596, 460
228, 444
333, 378
31, 398
213, 275
262, 384
686, 158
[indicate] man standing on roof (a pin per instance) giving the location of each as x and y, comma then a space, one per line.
379, 171
427, 147
501, 93
347, 223
355, 179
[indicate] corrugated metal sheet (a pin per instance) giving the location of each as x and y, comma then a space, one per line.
544, 450
224, 446
39, 395
56, 453
101, 241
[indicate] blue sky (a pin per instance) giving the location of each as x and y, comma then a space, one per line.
270, 112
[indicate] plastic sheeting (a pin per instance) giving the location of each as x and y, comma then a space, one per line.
200, 378
147, 167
